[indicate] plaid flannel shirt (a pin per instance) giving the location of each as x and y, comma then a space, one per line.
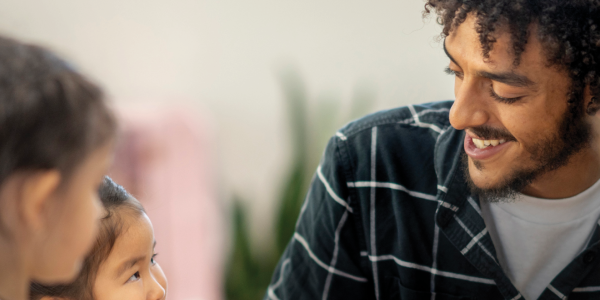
390, 216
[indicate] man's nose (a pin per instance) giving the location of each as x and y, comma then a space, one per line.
470, 107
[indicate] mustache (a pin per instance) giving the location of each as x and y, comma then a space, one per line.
491, 133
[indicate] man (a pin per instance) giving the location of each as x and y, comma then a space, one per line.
493, 196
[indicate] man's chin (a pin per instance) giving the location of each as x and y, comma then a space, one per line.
492, 193
488, 189
480, 178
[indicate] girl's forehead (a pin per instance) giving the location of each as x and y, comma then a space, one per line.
138, 233
135, 241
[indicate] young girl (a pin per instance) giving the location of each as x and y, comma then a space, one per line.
56, 137
121, 264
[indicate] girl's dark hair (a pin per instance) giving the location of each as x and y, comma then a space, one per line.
51, 116
569, 31
117, 203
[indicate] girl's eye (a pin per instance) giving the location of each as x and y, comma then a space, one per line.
134, 277
152, 261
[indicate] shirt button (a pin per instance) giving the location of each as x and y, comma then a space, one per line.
589, 257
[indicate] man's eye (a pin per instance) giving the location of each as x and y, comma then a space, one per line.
503, 99
134, 277
449, 71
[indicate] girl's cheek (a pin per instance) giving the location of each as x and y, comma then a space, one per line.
117, 290
132, 291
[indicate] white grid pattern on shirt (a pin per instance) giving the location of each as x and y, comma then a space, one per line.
436, 231
391, 185
336, 249
372, 209
474, 204
341, 136
418, 123
398, 187
473, 236
429, 269
449, 206
424, 112
557, 292
587, 289
373, 184
303, 242
271, 289
436, 239
517, 297
473, 241
331, 192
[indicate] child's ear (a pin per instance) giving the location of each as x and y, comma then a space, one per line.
36, 191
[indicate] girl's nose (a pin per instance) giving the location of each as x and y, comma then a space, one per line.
156, 291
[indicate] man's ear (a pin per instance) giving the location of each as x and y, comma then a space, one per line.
592, 103
37, 189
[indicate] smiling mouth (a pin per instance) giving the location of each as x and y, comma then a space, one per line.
479, 148
482, 144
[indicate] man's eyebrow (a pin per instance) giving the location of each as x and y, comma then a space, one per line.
128, 264
509, 78
448, 54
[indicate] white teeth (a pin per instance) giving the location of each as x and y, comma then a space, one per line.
478, 143
482, 144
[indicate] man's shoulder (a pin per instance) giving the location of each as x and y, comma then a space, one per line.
432, 117
403, 145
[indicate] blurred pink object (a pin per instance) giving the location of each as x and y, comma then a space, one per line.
164, 159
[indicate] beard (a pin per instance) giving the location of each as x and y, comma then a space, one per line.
548, 154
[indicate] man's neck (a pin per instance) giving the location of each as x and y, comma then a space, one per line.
582, 171
14, 281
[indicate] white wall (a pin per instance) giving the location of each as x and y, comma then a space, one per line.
222, 58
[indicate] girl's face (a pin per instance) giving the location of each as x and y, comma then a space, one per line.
130, 271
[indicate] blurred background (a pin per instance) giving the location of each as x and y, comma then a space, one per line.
226, 106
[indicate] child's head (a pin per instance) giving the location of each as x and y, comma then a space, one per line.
56, 137
121, 264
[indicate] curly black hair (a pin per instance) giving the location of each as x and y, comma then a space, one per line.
569, 31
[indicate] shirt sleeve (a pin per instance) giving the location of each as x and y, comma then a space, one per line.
325, 258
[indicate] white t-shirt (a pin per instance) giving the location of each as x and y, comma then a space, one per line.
537, 238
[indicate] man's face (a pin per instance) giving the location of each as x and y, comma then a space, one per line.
517, 121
